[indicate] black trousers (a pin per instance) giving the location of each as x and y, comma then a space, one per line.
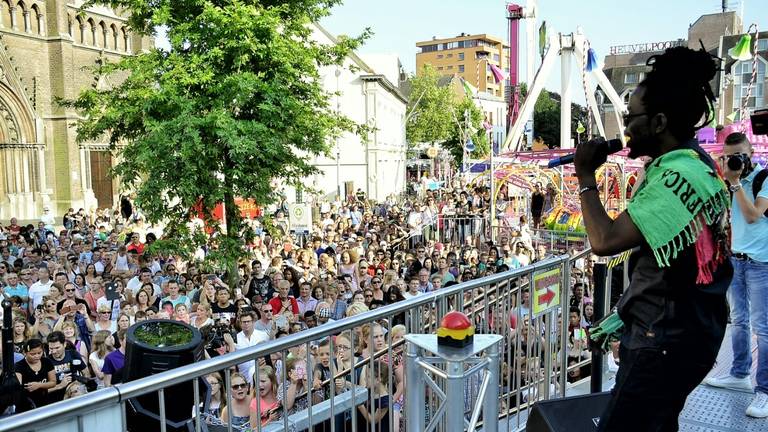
651, 388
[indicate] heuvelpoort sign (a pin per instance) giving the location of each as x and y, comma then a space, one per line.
646, 47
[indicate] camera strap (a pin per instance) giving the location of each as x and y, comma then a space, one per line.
757, 184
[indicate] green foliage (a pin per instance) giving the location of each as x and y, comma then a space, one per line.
546, 113
235, 105
429, 112
460, 133
162, 334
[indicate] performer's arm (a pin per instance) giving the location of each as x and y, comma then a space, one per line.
606, 236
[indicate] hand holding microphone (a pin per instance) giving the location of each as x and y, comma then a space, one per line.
589, 155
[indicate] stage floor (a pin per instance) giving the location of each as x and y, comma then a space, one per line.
711, 409
708, 409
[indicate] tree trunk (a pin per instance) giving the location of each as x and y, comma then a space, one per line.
234, 225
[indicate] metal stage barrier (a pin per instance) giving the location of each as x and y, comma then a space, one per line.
531, 361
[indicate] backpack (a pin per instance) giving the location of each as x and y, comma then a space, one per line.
757, 184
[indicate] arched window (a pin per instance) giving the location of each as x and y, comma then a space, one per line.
102, 35
21, 17
124, 39
79, 30
6, 12
36, 19
92, 32
114, 42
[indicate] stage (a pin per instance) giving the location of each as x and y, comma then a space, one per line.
708, 409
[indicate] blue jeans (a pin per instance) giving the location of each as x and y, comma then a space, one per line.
748, 299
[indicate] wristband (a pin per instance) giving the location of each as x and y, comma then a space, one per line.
735, 187
587, 189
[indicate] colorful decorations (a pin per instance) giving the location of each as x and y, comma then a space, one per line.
591, 60
470, 146
456, 330
470, 90
565, 220
542, 38
498, 74
742, 49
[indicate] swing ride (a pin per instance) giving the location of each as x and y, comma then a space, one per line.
516, 172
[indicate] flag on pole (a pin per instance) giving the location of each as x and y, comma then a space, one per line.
591, 60
542, 38
498, 74
470, 90
732, 116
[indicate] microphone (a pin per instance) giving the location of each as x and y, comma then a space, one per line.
607, 148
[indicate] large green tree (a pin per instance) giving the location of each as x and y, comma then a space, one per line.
235, 105
429, 115
467, 124
546, 113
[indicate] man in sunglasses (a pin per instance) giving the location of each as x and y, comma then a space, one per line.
673, 313
70, 293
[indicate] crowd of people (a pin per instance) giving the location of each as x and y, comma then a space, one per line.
76, 287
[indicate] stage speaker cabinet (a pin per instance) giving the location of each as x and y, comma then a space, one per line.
759, 121
572, 414
153, 347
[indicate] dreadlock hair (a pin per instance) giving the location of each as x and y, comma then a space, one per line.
678, 85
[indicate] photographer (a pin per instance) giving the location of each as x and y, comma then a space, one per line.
70, 294
66, 363
748, 291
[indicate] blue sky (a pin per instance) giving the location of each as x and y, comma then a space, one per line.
398, 24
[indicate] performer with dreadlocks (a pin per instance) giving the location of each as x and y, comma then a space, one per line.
674, 311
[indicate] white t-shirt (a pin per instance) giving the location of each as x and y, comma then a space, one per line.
94, 358
408, 295
48, 219
415, 222
249, 368
38, 290
134, 284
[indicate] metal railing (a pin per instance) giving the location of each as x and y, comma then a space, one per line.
533, 360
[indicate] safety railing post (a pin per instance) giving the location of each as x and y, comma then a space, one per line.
600, 275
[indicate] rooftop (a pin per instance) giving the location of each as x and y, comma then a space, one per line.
462, 36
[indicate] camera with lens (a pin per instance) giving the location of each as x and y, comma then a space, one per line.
739, 162
214, 334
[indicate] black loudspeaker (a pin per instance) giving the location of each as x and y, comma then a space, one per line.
155, 346
759, 121
573, 414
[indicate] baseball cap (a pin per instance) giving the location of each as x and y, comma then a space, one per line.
324, 313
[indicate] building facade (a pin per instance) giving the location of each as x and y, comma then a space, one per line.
44, 47
366, 90
469, 57
625, 66
736, 101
